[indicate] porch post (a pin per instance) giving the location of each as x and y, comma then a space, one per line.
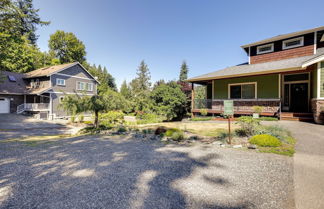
51, 107
24, 100
192, 99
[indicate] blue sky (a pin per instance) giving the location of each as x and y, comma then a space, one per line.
206, 33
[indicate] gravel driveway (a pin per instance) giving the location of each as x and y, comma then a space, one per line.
102, 172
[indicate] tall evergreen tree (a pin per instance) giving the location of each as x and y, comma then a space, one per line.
29, 20
124, 90
183, 72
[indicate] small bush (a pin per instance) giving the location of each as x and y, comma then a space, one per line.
88, 122
147, 131
72, 118
268, 119
121, 129
257, 109
170, 131
248, 124
203, 112
160, 131
81, 118
93, 130
240, 132
265, 140
282, 134
145, 118
222, 134
112, 117
177, 136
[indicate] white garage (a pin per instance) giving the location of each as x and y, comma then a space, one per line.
4, 105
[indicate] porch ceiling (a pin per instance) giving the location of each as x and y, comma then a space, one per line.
260, 68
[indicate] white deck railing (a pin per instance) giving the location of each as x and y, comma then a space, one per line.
32, 107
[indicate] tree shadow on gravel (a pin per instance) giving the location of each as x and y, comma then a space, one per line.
98, 172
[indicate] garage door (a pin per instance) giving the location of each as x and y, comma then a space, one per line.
4, 105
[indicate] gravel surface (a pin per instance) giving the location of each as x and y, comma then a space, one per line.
115, 172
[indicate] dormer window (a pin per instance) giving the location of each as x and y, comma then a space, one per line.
265, 49
292, 43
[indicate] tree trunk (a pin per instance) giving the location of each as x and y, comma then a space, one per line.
96, 119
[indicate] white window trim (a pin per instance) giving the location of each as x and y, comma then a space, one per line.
294, 39
266, 45
89, 84
57, 82
77, 86
240, 84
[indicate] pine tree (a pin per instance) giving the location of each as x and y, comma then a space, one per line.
143, 79
124, 90
183, 72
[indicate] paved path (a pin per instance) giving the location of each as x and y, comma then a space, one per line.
18, 126
308, 164
121, 173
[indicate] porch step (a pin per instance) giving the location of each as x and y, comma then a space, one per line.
292, 116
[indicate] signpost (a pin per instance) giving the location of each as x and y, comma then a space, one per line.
229, 112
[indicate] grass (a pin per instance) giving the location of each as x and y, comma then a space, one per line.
201, 119
285, 149
36, 140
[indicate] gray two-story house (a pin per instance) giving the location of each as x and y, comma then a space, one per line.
41, 91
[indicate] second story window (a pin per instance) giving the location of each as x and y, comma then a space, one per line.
265, 49
60, 82
80, 85
89, 87
292, 43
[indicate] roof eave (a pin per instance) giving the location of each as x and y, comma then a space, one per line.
245, 74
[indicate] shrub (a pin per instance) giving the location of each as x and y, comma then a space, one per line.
88, 122
282, 134
81, 118
177, 136
112, 117
121, 129
160, 130
72, 118
265, 140
240, 132
94, 130
146, 118
203, 112
222, 134
257, 109
147, 131
170, 131
248, 124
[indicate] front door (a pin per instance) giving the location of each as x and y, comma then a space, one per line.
299, 97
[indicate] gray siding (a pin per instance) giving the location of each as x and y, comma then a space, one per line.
322, 80
71, 82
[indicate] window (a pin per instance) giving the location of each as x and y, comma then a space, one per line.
265, 49
37, 83
80, 85
89, 86
60, 82
292, 43
242, 91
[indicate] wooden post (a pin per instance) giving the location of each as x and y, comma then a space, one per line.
229, 130
192, 99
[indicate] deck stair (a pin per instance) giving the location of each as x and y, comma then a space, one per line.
294, 116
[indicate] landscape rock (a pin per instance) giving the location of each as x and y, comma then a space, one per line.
252, 146
237, 146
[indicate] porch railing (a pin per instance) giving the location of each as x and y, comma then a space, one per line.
240, 105
32, 107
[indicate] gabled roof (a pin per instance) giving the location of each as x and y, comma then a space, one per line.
262, 68
46, 71
284, 36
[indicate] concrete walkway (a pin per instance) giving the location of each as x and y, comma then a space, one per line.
308, 164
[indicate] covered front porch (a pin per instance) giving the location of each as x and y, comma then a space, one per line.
276, 93
35, 104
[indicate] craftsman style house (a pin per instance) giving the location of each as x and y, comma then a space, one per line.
284, 75
41, 91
